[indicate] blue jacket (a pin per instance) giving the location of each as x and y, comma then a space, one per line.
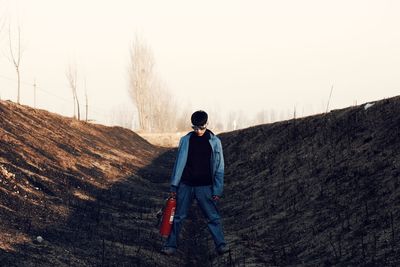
217, 163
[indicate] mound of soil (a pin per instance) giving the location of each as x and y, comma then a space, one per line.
321, 190
91, 192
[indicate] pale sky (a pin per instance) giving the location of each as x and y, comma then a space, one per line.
216, 55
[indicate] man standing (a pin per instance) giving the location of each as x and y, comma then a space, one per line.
198, 173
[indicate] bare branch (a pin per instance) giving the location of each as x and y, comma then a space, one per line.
329, 100
72, 77
16, 59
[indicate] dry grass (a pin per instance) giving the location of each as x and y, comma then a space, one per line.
163, 139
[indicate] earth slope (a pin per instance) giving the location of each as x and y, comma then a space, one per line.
321, 190
90, 191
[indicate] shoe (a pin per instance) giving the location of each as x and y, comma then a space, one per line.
168, 250
222, 249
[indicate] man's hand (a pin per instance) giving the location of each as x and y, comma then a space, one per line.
215, 197
172, 194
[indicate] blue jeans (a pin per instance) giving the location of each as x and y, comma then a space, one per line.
203, 195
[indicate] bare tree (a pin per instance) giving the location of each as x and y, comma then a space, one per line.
215, 118
261, 117
34, 93
272, 116
86, 102
329, 99
2, 24
1, 30
183, 120
121, 115
156, 108
237, 119
231, 121
72, 77
141, 81
15, 57
3, 16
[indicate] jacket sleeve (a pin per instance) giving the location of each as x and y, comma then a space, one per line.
219, 170
174, 182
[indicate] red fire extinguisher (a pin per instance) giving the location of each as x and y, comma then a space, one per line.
168, 217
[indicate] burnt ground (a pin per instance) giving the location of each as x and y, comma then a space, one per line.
92, 192
321, 190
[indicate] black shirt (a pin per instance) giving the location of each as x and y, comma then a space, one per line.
197, 171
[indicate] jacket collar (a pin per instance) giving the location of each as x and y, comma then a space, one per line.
208, 131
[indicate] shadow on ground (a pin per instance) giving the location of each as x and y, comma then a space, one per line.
118, 228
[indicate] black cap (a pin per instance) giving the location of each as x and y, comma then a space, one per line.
199, 118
